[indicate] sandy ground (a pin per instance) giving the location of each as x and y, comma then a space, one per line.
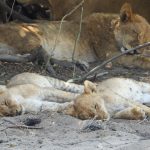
61, 132
64, 132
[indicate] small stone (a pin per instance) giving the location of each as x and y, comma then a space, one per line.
32, 121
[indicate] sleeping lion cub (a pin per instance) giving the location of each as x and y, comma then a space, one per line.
30, 92
115, 97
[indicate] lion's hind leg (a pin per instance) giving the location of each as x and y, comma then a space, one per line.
131, 113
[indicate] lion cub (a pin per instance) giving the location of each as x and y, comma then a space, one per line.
30, 92
115, 97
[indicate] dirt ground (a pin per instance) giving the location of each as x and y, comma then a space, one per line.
59, 132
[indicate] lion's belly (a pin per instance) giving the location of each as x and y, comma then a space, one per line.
126, 89
114, 103
64, 50
113, 108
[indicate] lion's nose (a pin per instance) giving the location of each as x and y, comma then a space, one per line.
18, 112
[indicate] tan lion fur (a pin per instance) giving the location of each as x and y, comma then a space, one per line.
115, 97
131, 29
27, 98
97, 40
32, 36
30, 92
43, 81
9, 107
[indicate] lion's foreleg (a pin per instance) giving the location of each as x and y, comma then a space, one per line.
55, 95
54, 107
65, 86
34, 106
131, 113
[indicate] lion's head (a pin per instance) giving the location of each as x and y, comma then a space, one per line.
8, 106
130, 29
89, 104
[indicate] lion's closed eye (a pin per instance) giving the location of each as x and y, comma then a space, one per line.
96, 106
6, 103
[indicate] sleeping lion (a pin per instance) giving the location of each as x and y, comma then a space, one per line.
115, 97
30, 92
98, 40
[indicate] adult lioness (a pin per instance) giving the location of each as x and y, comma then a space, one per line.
115, 97
93, 44
131, 29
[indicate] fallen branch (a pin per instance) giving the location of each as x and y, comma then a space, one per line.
93, 77
19, 126
24, 127
107, 61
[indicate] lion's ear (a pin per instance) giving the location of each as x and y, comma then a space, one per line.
89, 87
126, 13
